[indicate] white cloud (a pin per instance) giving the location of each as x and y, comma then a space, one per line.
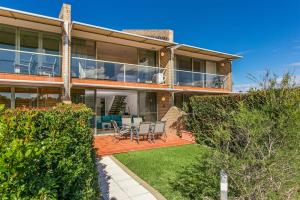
295, 64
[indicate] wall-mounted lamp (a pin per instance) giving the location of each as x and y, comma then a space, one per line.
222, 64
163, 99
162, 54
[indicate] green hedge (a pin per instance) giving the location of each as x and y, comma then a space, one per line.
207, 111
47, 154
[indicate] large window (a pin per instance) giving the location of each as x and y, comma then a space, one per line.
26, 51
49, 97
148, 106
116, 53
26, 97
7, 41
5, 96
147, 57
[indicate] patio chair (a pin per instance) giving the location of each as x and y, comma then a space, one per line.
143, 130
48, 70
120, 133
24, 66
159, 131
137, 121
126, 122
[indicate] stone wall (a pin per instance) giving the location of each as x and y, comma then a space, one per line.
164, 103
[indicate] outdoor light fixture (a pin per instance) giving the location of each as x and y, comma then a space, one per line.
163, 99
222, 64
162, 54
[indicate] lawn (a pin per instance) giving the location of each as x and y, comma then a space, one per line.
158, 167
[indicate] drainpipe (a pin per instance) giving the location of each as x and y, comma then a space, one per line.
65, 14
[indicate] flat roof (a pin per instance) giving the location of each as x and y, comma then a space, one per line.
22, 15
120, 34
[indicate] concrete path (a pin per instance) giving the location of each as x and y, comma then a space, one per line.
116, 184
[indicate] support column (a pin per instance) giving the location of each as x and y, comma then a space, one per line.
65, 15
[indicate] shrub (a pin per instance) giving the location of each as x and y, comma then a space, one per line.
47, 154
256, 137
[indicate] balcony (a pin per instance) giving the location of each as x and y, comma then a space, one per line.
29, 63
84, 68
198, 79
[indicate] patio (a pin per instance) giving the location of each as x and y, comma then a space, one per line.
105, 145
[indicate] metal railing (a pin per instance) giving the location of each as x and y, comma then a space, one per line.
198, 79
85, 68
30, 63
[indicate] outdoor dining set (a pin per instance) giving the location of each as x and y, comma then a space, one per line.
138, 129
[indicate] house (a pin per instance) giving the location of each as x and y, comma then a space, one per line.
46, 60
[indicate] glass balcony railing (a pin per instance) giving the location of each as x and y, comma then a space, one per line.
198, 79
30, 63
105, 70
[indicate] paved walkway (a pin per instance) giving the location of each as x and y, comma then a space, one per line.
116, 184
105, 145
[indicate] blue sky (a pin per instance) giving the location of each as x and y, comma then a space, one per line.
265, 32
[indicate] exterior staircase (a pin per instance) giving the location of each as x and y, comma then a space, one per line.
118, 105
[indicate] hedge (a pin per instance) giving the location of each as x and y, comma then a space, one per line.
207, 111
47, 154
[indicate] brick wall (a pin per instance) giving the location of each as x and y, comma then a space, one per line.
224, 68
163, 106
154, 33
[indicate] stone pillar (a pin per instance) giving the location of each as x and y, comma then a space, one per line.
65, 15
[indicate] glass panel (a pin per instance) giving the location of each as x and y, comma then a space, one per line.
77, 95
51, 44
147, 57
7, 41
49, 97
199, 65
29, 41
183, 63
5, 97
116, 53
26, 97
7, 37
148, 106
214, 81
183, 78
82, 49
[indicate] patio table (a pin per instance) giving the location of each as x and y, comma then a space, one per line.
132, 127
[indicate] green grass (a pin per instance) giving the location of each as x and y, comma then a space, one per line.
158, 167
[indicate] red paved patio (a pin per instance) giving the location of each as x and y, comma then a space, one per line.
105, 145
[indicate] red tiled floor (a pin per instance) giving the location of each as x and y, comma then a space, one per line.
105, 145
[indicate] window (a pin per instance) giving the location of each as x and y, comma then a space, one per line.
184, 63
116, 53
5, 96
83, 48
148, 106
199, 65
7, 41
49, 97
147, 57
7, 37
29, 41
51, 44
27, 97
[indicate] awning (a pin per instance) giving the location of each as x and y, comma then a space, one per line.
21, 15
207, 52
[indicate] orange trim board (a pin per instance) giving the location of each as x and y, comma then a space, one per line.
117, 83
190, 88
30, 78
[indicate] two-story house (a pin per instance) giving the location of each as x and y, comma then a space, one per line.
46, 60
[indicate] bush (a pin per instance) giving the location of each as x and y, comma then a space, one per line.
256, 137
47, 154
